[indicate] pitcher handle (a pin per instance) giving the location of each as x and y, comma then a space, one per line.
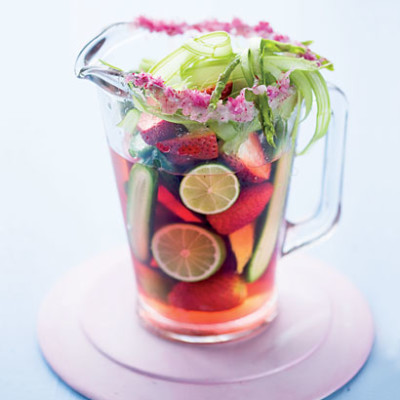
328, 211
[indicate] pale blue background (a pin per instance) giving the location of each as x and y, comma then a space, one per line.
58, 203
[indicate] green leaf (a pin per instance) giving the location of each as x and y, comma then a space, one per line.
327, 64
204, 72
286, 63
322, 99
249, 95
110, 66
247, 67
146, 64
214, 44
272, 46
273, 70
255, 48
266, 77
168, 68
300, 80
297, 121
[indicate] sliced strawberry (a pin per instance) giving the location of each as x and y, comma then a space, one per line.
249, 205
225, 93
220, 292
250, 163
199, 146
154, 129
169, 201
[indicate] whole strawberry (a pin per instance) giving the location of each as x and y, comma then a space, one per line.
249, 205
220, 292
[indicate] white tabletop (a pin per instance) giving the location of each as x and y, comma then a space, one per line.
59, 205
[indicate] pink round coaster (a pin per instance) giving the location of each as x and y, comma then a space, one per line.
90, 335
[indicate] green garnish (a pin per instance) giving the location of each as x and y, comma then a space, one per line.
222, 81
266, 117
129, 122
320, 89
146, 64
273, 46
214, 46
209, 60
110, 66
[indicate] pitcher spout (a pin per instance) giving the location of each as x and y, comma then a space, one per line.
89, 66
108, 79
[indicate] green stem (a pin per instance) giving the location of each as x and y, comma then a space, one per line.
222, 81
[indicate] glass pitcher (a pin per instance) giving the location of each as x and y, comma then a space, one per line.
202, 276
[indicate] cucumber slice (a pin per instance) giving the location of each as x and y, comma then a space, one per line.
142, 193
266, 243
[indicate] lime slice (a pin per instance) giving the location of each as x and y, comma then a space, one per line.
209, 189
187, 252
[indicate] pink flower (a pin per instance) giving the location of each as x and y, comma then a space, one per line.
195, 104
263, 29
309, 55
272, 92
236, 27
241, 28
169, 101
240, 108
281, 38
278, 90
170, 28
212, 25
145, 80
146, 23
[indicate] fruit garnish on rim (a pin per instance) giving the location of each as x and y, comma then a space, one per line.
234, 91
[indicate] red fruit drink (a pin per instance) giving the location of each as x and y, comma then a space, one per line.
238, 295
202, 140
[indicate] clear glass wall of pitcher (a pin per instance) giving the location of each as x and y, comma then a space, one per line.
202, 277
